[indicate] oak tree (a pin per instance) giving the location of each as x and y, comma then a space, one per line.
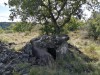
52, 14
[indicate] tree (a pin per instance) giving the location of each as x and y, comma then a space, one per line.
50, 13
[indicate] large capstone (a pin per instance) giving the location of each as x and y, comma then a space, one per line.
46, 49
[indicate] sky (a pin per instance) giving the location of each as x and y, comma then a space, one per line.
4, 12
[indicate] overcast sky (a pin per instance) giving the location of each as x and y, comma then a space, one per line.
4, 12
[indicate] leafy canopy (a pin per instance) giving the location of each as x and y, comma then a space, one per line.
50, 13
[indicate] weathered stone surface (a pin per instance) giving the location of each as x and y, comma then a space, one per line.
62, 50
46, 48
28, 49
10, 59
43, 50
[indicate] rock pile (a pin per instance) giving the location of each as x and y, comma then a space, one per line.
46, 48
39, 51
43, 50
9, 59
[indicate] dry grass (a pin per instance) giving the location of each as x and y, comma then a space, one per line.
77, 38
89, 46
19, 39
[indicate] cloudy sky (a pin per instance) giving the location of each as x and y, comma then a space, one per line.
4, 12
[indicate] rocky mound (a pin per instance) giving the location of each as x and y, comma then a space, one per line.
9, 59
44, 50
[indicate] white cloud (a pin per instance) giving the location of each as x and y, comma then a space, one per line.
2, 2
4, 17
4, 14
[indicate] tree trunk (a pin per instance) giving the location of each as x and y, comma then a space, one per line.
57, 29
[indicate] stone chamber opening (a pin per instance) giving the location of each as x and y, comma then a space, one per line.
52, 51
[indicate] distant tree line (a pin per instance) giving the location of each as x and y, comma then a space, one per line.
4, 25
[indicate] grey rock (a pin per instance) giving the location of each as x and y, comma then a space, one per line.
63, 48
2, 69
45, 48
25, 74
38, 51
1, 64
28, 49
8, 73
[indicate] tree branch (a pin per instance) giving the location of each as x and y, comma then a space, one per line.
66, 20
42, 4
62, 7
69, 16
50, 11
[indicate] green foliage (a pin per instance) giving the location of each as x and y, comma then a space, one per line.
1, 30
47, 12
94, 31
73, 25
15, 73
21, 27
34, 71
94, 27
47, 29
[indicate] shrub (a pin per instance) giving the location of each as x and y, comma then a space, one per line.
94, 28
21, 27
47, 29
73, 25
1, 30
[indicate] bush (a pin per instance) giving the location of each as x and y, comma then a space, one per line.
73, 25
94, 28
21, 27
1, 30
47, 29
